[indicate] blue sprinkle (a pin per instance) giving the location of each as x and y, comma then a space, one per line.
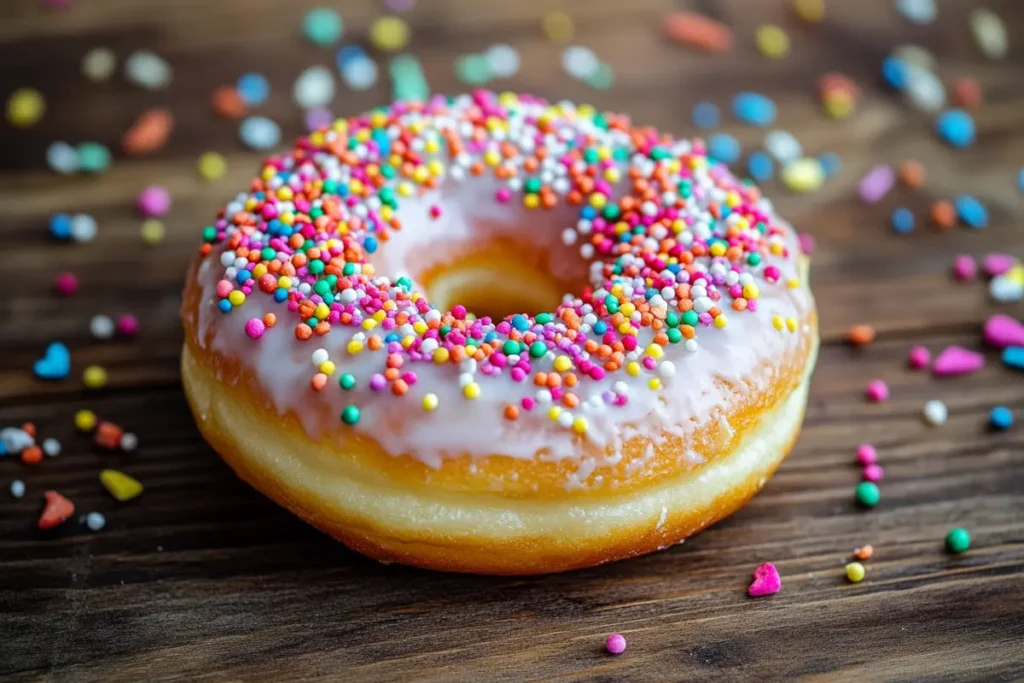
280, 295
347, 54
392, 337
260, 133
1020, 179
830, 163
1001, 417
902, 220
971, 212
724, 148
754, 109
600, 327
225, 306
1013, 356
520, 322
705, 115
588, 212
955, 127
243, 276
370, 244
253, 88
56, 364
760, 167
60, 226
3, 449
894, 73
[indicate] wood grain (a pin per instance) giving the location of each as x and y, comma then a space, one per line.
203, 579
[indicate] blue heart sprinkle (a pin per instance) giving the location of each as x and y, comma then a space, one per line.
56, 364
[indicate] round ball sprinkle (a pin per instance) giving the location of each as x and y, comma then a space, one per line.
25, 107
99, 64
85, 420
322, 26
955, 127
148, 70
1001, 418
260, 133
867, 494
772, 41
958, 540
154, 201
254, 88
558, 27
101, 327
62, 158
94, 377
60, 226
350, 415
902, 220
95, 521
855, 572
17, 488
705, 115
212, 166
51, 447
615, 643
129, 442
314, 87
389, 34
935, 412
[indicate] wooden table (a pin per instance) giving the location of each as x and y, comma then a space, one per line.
202, 578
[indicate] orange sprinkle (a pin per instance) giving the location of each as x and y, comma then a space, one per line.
943, 214
149, 133
912, 174
270, 320
511, 412
319, 381
29, 429
228, 104
864, 552
33, 455
303, 331
861, 335
58, 508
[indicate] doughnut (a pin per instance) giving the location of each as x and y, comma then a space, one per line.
498, 335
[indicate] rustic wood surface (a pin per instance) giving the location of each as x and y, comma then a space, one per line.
201, 578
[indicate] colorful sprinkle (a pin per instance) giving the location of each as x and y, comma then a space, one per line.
867, 494
58, 509
955, 127
865, 552
861, 335
148, 70
1000, 418
95, 521
253, 88
154, 201
935, 412
322, 26
121, 486
698, 31
25, 107
55, 364
615, 644
1001, 331
876, 184
956, 360
772, 41
99, 64
149, 133
866, 455
855, 572
919, 357
389, 34
877, 391
766, 581
17, 488
971, 212
706, 115
958, 540
754, 109
902, 220
260, 133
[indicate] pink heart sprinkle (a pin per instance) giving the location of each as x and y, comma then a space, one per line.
956, 360
1002, 331
964, 267
997, 264
766, 581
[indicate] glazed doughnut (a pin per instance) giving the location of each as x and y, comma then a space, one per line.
492, 334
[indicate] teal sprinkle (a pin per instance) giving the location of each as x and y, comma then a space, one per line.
690, 318
510, 347
532, 185
209, 234
672, 319
347, 381
753, 259
674, 335
538, 349
350, 415
348, 269
544, 318
316, 266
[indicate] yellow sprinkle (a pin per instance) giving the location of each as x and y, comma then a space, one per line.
120, 485
471, 390
554, 412
355, 346
809, 10
389, 34
792, 283
259, 271
839, 104
368, 324
598, 200
654, 384
751, 291
721, 320
94, 377
322, 310
25, 107
327, 367
804, 175
212, 166
791, 324
85, 420
579, 425
441, 356
654, 351
284, 282
531, 201
717, 249
236, 297
429, 401
562, 363
627, 309
855, 572
558, 27
772, 41
778, 322
152, 231
632, 368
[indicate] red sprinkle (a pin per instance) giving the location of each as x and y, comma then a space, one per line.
57, 510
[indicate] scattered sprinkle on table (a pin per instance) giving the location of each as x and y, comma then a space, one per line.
865, 552
971, 212
989, 33
322, 26
724, 148
943, 214
917, 11
809, 10
772, 41
855, 572
472, 69
66, 284
212, 166
101, 327
152, 231
919, 357
25, 107
867, 494
1001, 418
94, 377
557, 27
55, 363
956, 360
705, 115
866, 454
1001, 331
967, 92
502, 60
85, 420
579, 61
958, 540
407, 79
148, 70
830, 164
57, 510
154, 201
803, 175
877, 391
698, 31
935, 412
95, 521
51, 447
260, 133
997, 264
253, 88
615, 644
760, 166
876, 183
965, 268
99, 64
873, 473
955, 127
861, 335
17, 488
314, 87
93, 157
912, 174
149, 133
767, 581
389, 34
902, 220
783, 145
62, 158
754, 109
357, 69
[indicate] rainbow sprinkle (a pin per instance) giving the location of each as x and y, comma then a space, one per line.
676, 244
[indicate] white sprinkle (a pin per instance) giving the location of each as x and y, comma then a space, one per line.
51, 447
99, 64
83, 227
924, 90
17, 488
565, 419
260, 133
917, 11
690, 345
783, 145
95, 521
129, 442
1005, 289
314, 87
319, 356
101, 327
465, 379
580, 62
15, 440
62, 158
148, 70
935, 412
502, 60
666, 368
989, 33
360, 73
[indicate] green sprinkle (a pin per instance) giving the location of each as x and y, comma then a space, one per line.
690, 318
316, 266
322, 287
93, 157
510, 347
209, 234
350, 415
538, 349
347, 381
472, 69
672, 319
544, 318
868, 494
674, 335
958, 540
602, 78
532, 185
753, 259
348, 269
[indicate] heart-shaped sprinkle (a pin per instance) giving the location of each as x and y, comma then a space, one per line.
956, 360
56, 364
58, 508
1002, 331
766, 581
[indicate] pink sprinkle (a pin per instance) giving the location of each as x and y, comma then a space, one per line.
964, 268
255, 328
997, 264
873, 473
956, 360
66, 284
866, 454
919, 357
154, 201
877, 391
806, 242
1002, 331
766, 581
616, 644
128, 325
877, 183
435, 211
